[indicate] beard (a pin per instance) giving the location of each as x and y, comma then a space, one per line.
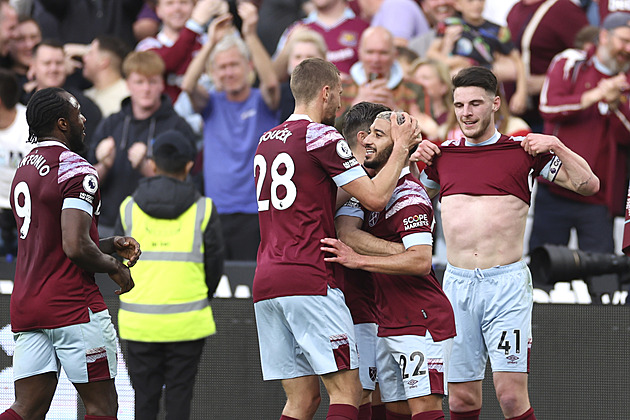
76, 143
482, 126
379, 159
609, 60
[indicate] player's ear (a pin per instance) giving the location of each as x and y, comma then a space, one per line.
496, 103
62, 124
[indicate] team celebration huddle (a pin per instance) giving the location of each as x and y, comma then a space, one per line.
377, 131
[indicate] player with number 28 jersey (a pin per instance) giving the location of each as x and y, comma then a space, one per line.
51, 178
293, 167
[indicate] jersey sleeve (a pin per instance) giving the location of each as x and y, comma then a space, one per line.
411, 214
351, 208
328, 147
78, 182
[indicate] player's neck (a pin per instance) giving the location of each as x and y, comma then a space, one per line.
51, 138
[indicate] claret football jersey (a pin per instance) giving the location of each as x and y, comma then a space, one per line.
298, 167
50, 291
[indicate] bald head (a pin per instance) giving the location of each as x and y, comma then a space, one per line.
377, 52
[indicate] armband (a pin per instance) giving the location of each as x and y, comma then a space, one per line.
554, 168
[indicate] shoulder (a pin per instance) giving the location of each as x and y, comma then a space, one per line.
319, 135
407, 193
72, 165
148, 44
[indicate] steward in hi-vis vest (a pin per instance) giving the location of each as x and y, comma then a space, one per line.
168, 317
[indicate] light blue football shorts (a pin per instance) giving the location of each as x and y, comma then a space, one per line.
493, 317
411, 366
87, 352
305, 335
366, 343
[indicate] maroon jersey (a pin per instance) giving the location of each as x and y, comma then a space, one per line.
358, 288
607, 7
50, 291
501, 168
342, 39
298, 167
600, 134
409, 305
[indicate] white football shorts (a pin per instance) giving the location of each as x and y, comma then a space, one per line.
366, 343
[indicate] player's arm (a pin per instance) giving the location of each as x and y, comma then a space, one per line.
415, 260
349, 232
81, 250
574, 172
374, 193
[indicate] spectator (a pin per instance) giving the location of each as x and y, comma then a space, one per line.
169, 216
304, 43
435, 79
586, 38
102, 65
235, 118
181, 36
402, 18
469, 39
585, 100
13, 147
48, 68
121, 140
610, 6
341, 30
436, 11
28, 35
540, 30
8, 24
377, 77
80, 21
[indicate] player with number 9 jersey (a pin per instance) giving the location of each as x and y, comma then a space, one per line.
46, 293
298, 167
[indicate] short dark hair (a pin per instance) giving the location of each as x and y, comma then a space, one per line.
310, 76
476, 76
116, 47
48, 42
9, 88
43, 111
359, 118
171, 150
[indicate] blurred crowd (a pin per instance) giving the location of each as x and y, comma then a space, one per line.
218, 72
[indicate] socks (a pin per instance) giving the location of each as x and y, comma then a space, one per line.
365, 412
378, 412
342, 412
396, 416
10, 415
429, 415
528, 415
469, 415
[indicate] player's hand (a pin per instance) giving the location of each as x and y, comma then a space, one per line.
136, 154
406, 133
106, 152
425, 152
128, 248
122, 277
343, 254
535, 143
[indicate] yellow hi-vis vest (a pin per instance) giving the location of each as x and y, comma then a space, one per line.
169, 302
